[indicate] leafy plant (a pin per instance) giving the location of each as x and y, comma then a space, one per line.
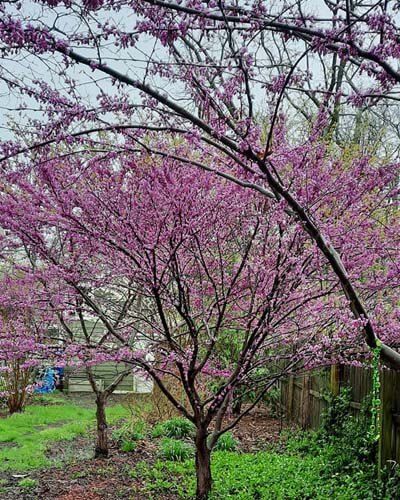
128, 446
273, 401
390, 479
130, 431
375, 394
226, 442
337, 414
177, 428
175, 450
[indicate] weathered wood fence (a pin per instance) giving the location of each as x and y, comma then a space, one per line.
303, 400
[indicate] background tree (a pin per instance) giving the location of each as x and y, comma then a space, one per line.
23, 344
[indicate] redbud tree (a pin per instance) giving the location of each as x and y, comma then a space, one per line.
223, 76
45, 323
23, 342
250, 94
208, 260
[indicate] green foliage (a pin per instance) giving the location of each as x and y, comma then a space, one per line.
154, 477
128, 446
177, 428
375, 394
273, 400
175, 450
263, 475
344, 440
390, 480
226, 443
348, 446
338, 461
130, 431
27, 483
336, 415
79, 474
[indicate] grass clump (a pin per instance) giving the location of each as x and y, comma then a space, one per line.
175, 450
130, 431
128, 446
27, 483
177, 428
226, 442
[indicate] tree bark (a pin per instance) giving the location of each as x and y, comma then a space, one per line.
101, 450
203, 465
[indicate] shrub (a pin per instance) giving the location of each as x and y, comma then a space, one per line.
337, 414
15, 385
177, 428
175, 450
226, 443
273, 401
156, 407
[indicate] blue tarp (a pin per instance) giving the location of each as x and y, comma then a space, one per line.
47, 382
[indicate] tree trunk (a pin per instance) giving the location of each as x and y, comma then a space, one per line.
203, 465
101, 450
14, 407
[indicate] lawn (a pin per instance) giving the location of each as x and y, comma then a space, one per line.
26, 438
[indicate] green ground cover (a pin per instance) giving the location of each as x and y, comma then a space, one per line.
263, 475
25, 438
338, 461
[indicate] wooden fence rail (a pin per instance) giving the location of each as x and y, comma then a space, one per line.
303, 400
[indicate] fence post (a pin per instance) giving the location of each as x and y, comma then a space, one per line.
335, 379
305, 402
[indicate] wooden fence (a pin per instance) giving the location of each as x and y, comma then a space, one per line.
303, 400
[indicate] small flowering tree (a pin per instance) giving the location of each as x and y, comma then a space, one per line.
16, 371
22, 345
207, 260
83, 346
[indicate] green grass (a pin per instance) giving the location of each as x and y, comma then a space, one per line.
30, 434
27, 483
226, 442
